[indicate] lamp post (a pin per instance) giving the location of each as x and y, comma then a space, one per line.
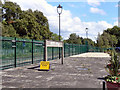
86, 29
59, 11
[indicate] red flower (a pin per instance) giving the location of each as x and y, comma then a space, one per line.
116, 78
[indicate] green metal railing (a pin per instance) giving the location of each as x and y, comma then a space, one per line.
19, 52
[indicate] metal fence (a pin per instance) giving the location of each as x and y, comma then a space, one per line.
19, 52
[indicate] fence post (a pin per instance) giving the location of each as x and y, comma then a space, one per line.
15, 53
62, 58
52, 53
59, 53
72, 49
45, 51
64, 49
78, 49
87, 48
75, 49
69, 49
32, 51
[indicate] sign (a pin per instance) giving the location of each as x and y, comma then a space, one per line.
44, 65
54, 44
38, 44
13, 40
49, 43
13, 44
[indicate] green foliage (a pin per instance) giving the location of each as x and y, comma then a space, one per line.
113, 79
88, 41
116, 32
113, 68
9, 31
0, 11
109, 38
55, 37
26, 24
114, 62
75, 39
99, 40
12, 11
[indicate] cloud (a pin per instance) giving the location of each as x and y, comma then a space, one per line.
116, 23
118, 5
72, 5
69, 24
84, 15
97, 10
115, 18
93, 3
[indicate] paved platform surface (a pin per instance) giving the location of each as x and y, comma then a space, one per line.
76, 72
92, 54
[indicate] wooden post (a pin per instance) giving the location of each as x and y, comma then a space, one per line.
45, 49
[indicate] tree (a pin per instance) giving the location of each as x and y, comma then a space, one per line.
74, 39
88, 41
113, 40
11, 11
106, 40
55, 37
99, 40
116, 32
9, 31
26, 24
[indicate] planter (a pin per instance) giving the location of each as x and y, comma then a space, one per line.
113, 86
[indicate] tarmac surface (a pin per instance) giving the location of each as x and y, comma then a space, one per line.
76, 72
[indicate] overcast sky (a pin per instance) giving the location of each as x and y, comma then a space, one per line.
77, 15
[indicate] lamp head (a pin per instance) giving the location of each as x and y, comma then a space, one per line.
86, 29
59, 9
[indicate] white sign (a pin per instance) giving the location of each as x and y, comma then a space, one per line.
54, 44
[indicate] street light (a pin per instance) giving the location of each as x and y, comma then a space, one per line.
59, 11
86, 29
